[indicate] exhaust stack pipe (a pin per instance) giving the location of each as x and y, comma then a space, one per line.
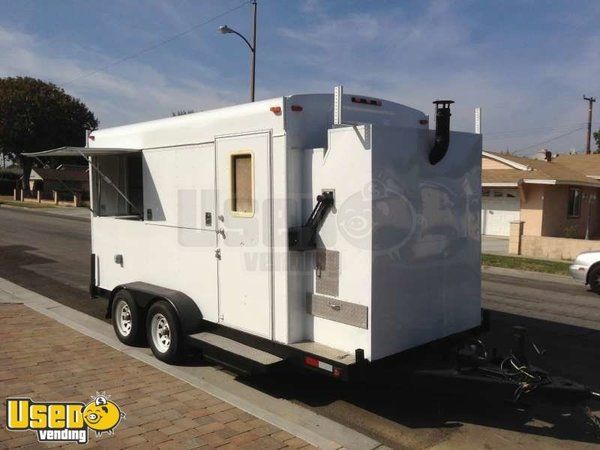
442, 131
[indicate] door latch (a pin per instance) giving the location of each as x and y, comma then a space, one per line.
218, 253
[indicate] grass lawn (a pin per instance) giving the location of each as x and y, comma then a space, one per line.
8, 200
535, 265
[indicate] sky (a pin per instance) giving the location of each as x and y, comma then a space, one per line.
525, 63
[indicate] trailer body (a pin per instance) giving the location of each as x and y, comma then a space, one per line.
209, 200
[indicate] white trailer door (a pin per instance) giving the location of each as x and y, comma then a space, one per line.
244, 241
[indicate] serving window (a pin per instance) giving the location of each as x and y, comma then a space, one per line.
242, 185
118, 188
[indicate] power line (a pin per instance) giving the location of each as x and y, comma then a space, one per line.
517, 134
548, 140
151, 47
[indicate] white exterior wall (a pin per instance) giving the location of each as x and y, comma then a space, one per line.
279, 236
345, 167
174, 249
426, 256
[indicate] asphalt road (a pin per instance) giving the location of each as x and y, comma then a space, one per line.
50, 255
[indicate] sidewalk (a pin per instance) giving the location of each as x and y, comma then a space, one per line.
50, 361
51, 352
494, 244
63, 212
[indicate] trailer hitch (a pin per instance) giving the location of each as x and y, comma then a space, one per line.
514, 371
472, 368
304, 237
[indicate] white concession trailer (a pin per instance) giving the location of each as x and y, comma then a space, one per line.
328, 231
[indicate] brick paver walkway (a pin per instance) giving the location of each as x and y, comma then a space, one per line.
47, 361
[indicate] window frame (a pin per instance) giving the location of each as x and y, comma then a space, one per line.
232, 197
121, 181
573, 189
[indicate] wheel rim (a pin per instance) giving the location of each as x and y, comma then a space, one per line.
161, 333
123, 318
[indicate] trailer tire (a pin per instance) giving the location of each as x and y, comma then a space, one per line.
127, 319
164, 332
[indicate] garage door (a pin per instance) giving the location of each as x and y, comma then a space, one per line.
498, 209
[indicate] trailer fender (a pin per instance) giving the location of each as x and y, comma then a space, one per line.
145, 294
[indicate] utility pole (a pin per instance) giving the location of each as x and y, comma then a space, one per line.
253, 70
590, 101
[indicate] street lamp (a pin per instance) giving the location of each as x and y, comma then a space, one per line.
224, 29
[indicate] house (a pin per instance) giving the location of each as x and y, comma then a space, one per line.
553, 195
63, 178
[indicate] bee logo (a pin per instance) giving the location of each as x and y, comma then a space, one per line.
102, 415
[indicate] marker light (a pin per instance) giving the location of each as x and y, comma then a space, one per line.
366, 101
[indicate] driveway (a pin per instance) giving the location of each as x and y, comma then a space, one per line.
494, 244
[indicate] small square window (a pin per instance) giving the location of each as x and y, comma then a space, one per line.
242, 184
574, 202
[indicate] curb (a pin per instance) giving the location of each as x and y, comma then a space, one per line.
303, 423
44, 213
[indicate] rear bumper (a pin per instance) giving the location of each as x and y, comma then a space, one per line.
579, 272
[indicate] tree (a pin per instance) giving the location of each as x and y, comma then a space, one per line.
597, 139
35, 116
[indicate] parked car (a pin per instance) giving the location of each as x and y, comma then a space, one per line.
586, 268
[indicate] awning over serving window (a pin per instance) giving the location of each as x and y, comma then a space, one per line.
84, 151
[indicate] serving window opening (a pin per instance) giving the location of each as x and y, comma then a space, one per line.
118, 186
242, 185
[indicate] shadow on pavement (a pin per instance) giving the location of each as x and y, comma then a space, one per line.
14, 267
426, 410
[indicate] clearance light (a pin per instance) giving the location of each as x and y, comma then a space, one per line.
423, 121
296, 108
366, 101
276, 110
